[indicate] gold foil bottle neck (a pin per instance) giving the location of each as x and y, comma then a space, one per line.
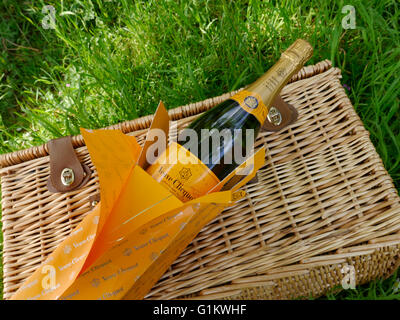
271, 83
299, 52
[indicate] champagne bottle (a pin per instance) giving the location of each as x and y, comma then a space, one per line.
205, 166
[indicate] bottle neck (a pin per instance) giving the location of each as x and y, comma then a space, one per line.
271, 83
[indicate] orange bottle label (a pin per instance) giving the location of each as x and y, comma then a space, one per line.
252, 103
183, 173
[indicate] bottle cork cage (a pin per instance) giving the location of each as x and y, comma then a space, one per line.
324, 209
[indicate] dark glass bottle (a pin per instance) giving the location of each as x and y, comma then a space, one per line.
217, 131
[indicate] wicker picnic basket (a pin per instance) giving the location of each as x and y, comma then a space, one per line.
323, 201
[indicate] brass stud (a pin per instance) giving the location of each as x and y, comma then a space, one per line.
274, 116
67, 177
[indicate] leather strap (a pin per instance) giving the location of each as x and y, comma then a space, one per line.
285, 116
66, 172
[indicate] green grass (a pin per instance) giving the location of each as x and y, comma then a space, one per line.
380, 289
109, 61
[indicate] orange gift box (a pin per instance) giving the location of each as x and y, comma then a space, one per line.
137, 230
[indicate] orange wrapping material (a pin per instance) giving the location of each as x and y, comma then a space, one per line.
126, 243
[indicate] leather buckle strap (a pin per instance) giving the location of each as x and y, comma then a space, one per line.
280, 115
66, 172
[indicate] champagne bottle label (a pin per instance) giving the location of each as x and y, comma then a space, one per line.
252, 103
183, 173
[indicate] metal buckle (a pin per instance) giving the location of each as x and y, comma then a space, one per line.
67, 177
274, 116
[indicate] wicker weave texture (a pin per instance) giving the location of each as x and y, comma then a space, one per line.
323, 200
